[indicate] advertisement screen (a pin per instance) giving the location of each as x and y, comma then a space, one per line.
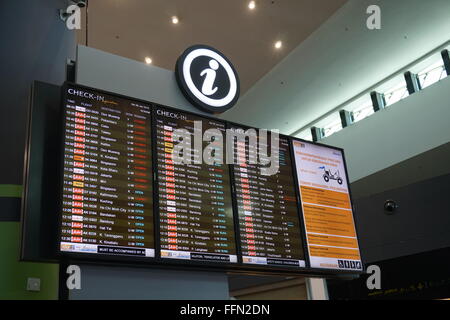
107, 197
195, 205
327, 212
269, 225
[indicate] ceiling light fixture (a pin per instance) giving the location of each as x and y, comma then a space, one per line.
252, 5
278, 44
175, 20
148, 60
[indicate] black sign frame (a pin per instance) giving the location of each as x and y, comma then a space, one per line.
187, 92
300, 206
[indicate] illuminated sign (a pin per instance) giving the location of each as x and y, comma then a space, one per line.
207, 79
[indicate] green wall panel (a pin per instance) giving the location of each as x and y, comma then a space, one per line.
14, 274
10, 190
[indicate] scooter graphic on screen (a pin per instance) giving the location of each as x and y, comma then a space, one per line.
327, 176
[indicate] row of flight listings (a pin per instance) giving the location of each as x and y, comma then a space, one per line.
108, 196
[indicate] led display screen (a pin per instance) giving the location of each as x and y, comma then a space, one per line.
195, 205
269, 224
326, 205
107, 196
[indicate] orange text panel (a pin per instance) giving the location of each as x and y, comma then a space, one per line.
329, 221
325, 197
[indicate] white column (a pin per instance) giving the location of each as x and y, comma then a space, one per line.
316, 289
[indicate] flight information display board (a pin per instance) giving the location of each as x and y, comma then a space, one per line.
329, 225
107, 196
121, 162
195, 205
269, 224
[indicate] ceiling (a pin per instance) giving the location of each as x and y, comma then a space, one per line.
136, 29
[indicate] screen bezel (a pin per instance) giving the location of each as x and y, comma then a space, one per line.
157, 261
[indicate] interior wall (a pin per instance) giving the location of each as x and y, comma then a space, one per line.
420, 224
294, 289
427, 165
123, 283
14, 274
36, 46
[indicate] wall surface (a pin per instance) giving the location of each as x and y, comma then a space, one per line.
14, 274
292, 289
101, 282
36, 44
420, 224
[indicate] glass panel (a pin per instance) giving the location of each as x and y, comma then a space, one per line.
432, 74
396, 93
305, 135
363, 112
334, 126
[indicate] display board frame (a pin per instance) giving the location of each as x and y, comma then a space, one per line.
300, 206
157, 261
38, 213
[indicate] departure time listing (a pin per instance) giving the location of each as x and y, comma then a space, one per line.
107, 176
195, 206
269, 222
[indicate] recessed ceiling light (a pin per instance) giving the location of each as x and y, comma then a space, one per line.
252, 5
278, 44
148, 60
175, 20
